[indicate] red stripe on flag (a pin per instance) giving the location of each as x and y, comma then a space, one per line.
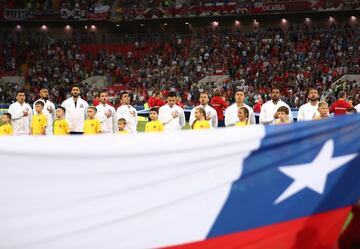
319, 231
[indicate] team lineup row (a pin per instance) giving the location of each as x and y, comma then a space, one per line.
75, 116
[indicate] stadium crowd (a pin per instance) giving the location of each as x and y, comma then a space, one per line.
295, 60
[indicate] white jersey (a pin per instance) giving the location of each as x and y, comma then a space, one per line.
75, 114
108, 124
123, 111
210, 112
48, 105
269, 109
231, 115
20, 124
170, 123
357, 107
307, 112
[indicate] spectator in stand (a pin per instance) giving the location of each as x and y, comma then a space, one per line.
219, 105
341, 105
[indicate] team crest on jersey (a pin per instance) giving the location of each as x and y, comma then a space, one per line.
154, 127
39, 120
109, 111
81, 106
92, 124
60, 126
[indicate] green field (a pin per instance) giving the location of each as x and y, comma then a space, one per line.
141, 126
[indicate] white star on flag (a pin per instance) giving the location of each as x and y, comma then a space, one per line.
313, 175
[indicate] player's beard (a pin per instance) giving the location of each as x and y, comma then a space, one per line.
314, 99
75, 95
45, 98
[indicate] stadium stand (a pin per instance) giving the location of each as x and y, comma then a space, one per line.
300, 58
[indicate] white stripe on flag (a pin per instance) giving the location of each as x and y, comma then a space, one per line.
135, 191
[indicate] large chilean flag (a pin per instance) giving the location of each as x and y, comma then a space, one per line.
281, 187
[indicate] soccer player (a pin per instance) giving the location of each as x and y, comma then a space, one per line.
49, 109
231, 113
61, 125
243, 115
351, 111
211, 115
6, 128
200, 122
357, 107
75, 108
106, 114
310, 109
122, 126
39, 120
340, 106
21, 114
219, 105
172, 115
269, 110
92, 126
154, 125
127, 112
282, 115
323, 111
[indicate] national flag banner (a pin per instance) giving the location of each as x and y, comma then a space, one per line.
284, 187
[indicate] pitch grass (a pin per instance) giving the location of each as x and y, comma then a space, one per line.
141, 126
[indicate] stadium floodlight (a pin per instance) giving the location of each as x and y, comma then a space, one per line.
165, 24
186, 23
67, 27
44, 28
93, 27
18, 27
353, 18
237, 23
117, 25
142, 25
331, 19
215, 23
283, 21
307, 19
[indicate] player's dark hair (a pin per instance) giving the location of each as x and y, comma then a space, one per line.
123, 93
172, 94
